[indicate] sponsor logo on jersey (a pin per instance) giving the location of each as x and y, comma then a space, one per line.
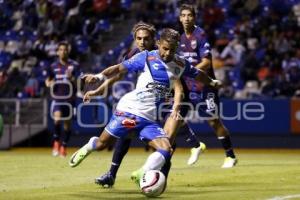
155, 66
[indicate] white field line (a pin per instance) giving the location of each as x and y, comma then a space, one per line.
285, 197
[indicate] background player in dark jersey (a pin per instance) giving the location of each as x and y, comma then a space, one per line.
195, 48
144, 39
61, 79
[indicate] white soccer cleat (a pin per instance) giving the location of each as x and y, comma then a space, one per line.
55, 153
195, 153
229, 162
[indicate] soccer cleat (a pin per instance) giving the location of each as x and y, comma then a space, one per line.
137, 175
79, 156
55, 149
106, 180
229, 162
195, 153
63, 151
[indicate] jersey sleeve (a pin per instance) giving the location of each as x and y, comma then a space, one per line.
190, 71
204, 49
50, 72
136, 63
77, 70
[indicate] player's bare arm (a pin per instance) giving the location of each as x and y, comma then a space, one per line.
204, 64
106, 73
205, 79
178, 96
115, 73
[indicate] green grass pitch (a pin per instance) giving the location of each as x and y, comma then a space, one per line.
260, 174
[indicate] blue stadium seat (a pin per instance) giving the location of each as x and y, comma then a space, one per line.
11, 36
82, 45
104, 25
5, 59
126, 4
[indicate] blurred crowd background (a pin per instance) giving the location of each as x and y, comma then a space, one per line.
256, 43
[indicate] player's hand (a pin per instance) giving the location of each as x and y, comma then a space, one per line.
49, 82
90, 78
216, 84
88, 96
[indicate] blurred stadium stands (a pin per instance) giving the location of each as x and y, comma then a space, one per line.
256, 44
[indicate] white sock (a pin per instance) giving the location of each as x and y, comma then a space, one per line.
91, 145
155, 161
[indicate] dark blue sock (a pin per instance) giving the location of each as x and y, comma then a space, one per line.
66, 137
57, 132
121, 149
226, 143
167, 166
192, 139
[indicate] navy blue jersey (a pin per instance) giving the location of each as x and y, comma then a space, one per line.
194, 48
65, 78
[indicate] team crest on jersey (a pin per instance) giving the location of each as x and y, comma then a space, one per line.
194, 44
70, 67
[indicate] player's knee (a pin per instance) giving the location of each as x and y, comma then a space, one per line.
219, 128
167, 147
215, 123
101, 144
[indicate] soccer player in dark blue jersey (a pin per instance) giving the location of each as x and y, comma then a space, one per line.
61, 79
196, 49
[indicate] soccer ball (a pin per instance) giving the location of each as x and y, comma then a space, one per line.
153, 183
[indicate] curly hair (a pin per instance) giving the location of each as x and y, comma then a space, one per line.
144, 26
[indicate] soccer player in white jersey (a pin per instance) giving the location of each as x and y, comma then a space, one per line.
159, 72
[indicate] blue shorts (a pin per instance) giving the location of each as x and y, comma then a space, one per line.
123, 123
65, 107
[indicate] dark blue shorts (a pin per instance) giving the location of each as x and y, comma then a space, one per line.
66, 108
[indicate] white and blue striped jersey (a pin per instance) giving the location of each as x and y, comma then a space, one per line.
154, 84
